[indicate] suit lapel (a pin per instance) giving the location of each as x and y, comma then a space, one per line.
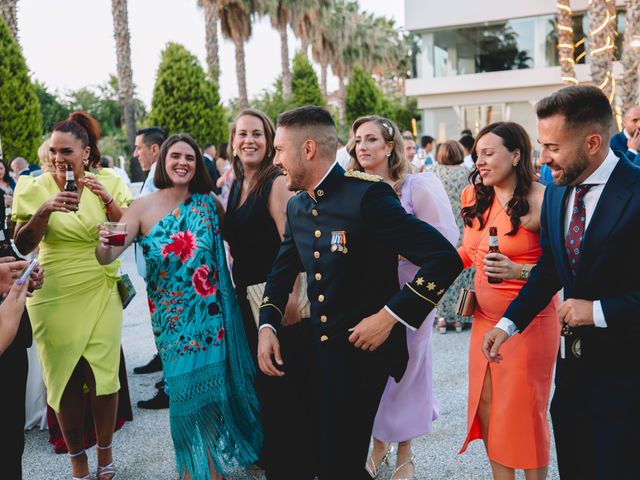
556, 230
611, 205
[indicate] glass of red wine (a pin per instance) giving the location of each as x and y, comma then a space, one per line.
117, 233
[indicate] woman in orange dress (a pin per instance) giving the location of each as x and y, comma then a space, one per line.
508, 400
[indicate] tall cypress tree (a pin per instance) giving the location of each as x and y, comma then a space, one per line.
184, 100
20, 118
363, 96
306, 90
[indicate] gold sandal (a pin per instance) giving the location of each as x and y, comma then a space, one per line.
372, 468
411, 462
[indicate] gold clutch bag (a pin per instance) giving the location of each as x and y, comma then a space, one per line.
466, 303
255, 294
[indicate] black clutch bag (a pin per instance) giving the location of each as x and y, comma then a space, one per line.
126, 290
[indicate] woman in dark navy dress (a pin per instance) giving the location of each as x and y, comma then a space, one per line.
253, 228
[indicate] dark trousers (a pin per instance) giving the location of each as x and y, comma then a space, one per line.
596, 422
350, 384
13, 375
290, 440
286, 405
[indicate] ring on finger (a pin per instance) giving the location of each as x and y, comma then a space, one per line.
365, 346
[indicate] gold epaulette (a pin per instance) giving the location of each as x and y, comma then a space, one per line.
368, 177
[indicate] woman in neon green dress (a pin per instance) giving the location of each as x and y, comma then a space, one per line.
77, 316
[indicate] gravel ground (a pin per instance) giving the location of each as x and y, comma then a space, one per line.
143, 449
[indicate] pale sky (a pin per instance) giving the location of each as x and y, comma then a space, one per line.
69, 44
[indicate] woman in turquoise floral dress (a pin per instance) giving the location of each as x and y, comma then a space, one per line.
195, 316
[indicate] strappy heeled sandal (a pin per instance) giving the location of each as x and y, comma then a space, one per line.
372, 468
106, 472
411, 462
88, 476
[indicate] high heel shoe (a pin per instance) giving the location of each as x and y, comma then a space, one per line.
442, 325
88, 476
411, 462
372, 468
458, 326
105, 472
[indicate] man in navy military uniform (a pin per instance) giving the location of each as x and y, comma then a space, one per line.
346, 230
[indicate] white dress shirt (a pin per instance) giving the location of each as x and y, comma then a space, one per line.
598, 179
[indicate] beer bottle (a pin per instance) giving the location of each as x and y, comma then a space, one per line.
493, 248
70, 185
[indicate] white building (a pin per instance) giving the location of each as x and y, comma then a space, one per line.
491, 60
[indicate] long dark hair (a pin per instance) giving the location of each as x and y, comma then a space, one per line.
86, 129
201, 181
266, 169
514, 137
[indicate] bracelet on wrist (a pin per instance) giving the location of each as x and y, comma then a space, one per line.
106, 204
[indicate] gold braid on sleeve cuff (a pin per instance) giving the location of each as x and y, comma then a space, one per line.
408, 285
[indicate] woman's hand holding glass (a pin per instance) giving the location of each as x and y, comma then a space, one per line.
499, 266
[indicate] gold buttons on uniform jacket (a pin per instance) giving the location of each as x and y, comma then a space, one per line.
317, 233
323, 318
320, 193
316, 254
321, 298
318, 276
324, 338
314, 212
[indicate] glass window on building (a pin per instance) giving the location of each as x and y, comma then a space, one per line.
509, 45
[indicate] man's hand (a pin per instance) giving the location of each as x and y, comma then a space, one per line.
372, 331
576, 313
492, 342
268, 349
634, 142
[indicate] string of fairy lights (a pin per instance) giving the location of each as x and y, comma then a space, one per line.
603, 34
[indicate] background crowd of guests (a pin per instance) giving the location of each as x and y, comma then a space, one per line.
241, 381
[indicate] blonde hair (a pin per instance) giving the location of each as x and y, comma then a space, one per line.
399, 166
44, 157
449, 153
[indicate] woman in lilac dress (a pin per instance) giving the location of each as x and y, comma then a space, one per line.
408, 408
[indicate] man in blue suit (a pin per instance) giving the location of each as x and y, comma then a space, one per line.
627, 142
590, 222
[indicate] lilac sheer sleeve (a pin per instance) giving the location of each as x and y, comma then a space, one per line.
430, 203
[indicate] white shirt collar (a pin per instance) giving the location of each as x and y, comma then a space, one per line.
626, 134
603, 172
326, 174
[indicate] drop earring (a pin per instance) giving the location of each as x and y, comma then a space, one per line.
86, 162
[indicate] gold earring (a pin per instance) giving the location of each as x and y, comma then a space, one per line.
388, 154
235, 153
86, 162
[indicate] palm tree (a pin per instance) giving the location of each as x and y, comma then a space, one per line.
235, 23
211, 37
602, 17
123, 61
630, 57
279, 11
343, 26
566, 48
9, 11
307, 19
323, 48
